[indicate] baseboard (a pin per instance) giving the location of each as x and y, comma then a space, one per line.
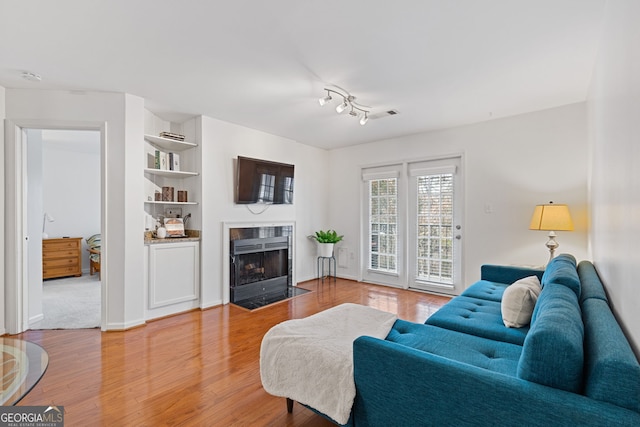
210, 304
124, 326
36, 319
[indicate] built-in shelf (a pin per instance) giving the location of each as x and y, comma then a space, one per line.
170, 173
169, 144
166, 177
156, 202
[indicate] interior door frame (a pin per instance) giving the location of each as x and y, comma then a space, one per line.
16, 285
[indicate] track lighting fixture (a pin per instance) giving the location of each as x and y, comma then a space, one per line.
348, 101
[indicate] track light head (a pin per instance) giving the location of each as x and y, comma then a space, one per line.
340, 108
364, 119
325, 100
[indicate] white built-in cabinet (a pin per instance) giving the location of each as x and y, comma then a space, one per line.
173, 278
172, 267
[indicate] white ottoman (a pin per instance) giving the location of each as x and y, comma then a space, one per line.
310, 360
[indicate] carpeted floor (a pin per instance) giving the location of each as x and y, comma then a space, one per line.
70, 303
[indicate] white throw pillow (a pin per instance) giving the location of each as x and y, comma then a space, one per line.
519, 300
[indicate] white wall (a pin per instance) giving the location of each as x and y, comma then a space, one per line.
2, 218
34, 223
71, 184
511, 164
121, 116
221, 143
614, 103
123, 154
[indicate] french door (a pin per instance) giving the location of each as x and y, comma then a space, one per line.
435, 226
412, 232
384, 228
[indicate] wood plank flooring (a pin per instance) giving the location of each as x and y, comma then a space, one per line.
194, 369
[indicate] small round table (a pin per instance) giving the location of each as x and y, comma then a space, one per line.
23, 364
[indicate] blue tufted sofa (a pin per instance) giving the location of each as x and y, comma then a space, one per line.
572, 366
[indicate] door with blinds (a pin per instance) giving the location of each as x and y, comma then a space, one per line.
384, 230
435, 226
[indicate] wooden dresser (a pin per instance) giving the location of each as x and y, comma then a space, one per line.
61, 257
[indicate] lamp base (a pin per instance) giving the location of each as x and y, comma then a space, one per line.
552, 245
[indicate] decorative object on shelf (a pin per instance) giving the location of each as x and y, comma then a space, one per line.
167, 194
161, 233
171, 135
174, 227
46, 218
158, 196
182, 196
348, 102
551, 217
326, 241
174, 161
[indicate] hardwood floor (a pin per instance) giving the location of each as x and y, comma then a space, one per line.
198, 368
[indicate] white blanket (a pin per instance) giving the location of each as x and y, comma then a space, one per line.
310, 360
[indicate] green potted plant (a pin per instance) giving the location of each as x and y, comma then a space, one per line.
326, 241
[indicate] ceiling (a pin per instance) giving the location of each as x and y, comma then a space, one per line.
264, 64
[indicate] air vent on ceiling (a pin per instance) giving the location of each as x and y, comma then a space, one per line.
387, 113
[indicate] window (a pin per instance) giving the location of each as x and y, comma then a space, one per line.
435, 228
383, 224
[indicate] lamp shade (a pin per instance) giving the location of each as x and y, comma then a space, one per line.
551, 217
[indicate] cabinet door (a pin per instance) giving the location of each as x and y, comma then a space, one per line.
173, 273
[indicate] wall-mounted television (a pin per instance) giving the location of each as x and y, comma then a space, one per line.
262, 181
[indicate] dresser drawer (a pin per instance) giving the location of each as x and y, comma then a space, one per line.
48, 273
60, 244
66, 253
60, 262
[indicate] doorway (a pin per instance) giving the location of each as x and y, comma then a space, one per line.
412, 225
63, 205
16, 213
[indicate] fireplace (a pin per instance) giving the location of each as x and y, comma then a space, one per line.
260, 266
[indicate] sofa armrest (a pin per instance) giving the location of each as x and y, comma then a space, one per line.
507, 273
399, 385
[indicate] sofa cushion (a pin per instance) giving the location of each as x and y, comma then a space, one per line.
612, 373
477, 317
562, 269
484, 289
507, 273
553, 353
484, 353
590, 282
518, 302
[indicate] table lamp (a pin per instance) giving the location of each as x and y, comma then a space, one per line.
46, 218
551, 217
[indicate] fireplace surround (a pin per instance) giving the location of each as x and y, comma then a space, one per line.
261, 265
